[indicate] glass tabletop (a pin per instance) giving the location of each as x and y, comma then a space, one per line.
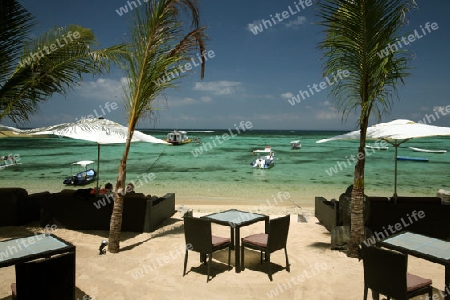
20, 247
420, 243
235, 217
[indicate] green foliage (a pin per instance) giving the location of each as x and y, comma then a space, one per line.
34, 69
356, 33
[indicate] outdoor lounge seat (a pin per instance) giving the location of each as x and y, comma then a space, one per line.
385, 272
274, 240
199, 238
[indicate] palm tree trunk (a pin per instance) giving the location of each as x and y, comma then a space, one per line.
116, 218
357, 203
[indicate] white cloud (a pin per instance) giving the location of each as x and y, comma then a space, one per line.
176, 102
287, 95
103, 89
294, 24
255, 23
206, 99
218, 87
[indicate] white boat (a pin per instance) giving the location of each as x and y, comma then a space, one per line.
426, 150
178, 137
264, 158
377, 147
296, 144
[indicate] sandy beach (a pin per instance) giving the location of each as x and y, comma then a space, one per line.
150, 265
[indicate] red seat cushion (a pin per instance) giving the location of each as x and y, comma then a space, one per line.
259, 239
14, 289
217, 240
415, 282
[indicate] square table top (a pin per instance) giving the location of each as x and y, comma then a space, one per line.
29, 248
420, 244
235, 218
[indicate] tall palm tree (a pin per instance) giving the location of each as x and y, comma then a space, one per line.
160, 43
32, 70
360, 35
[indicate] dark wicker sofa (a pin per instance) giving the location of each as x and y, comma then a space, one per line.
433, 221
18, 207
327, 212
81, 211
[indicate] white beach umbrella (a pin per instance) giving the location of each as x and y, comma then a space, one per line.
395, 133
100, 131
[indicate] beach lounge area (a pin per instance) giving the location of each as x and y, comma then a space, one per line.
150, 264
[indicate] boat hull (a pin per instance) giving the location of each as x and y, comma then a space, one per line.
427, 151
419, 159
263, 163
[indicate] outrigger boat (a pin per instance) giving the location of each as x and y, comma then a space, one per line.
426, 150
264, 159
421, 159
296, 144
83, 177
177, 138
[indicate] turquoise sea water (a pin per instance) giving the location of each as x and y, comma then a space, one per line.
223, 172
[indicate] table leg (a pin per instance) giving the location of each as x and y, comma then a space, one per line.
447, 282
232, 237
237, 251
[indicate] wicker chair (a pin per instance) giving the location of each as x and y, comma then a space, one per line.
270, 242
199, 238
385, 272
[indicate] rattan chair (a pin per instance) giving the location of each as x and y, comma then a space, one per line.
385, 272
199, 238
270, 242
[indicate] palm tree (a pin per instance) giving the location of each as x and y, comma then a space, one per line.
32, 70
361, 38
159, 45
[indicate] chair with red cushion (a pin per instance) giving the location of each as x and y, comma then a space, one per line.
385, 272
270, 242
199, 238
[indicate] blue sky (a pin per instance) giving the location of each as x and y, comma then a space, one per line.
251, 77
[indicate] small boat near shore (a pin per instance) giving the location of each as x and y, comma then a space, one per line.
427, 150
264, 160
178, 137
420, 159
81, 178
296, 144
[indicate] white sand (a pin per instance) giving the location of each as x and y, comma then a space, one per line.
316, 271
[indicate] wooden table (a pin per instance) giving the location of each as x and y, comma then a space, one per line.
431, 249
237, 219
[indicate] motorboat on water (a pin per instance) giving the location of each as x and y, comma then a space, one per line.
427, 150
178, 137
296, 144
421, 159
82, 177
264, 159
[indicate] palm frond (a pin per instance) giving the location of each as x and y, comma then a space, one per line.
159, 46
15, 25
357, 32
53, 63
